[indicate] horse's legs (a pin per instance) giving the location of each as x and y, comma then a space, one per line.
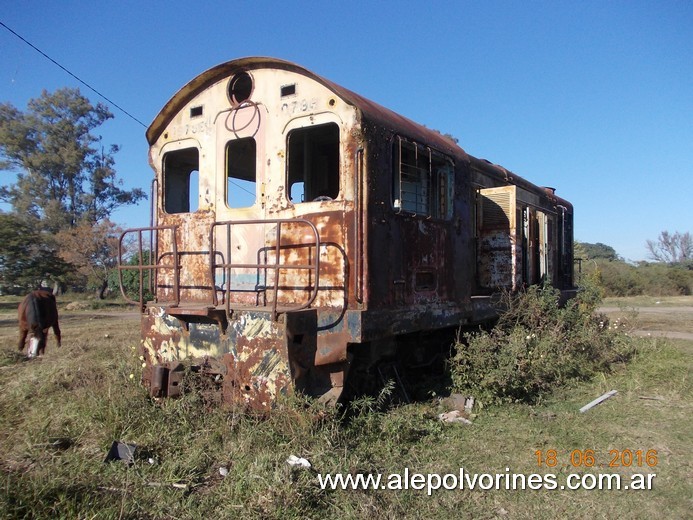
56, 331
22, 338
42, 340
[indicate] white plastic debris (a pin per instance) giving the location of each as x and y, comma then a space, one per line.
293, 460
468, 404
223, 471
454, 416
598, 400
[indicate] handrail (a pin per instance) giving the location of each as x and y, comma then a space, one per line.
154, 263
152, 267
276, 267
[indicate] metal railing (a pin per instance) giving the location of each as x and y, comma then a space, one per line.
151, 268
264, 266
267, 268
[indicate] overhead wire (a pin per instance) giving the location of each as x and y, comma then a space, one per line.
74, 75
92, 88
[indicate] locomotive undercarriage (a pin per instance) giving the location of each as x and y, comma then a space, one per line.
254, 357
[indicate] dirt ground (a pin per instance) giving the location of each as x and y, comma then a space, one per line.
674, 322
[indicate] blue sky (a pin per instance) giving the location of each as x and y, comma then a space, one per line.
594, 98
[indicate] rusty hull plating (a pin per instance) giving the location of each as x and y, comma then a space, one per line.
298, 228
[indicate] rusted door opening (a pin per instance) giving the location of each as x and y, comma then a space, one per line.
536, 246
498, 248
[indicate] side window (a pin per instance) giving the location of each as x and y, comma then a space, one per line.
181, 180
443, 182
422, 180
241, 172
412, 165
313, 163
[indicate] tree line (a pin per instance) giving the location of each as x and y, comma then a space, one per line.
59, 229
670, 273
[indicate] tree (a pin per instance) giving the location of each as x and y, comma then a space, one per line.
27, 256
92, 250
596, 251
65, 177
676, 248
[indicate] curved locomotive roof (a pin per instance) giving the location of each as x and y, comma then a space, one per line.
371, 111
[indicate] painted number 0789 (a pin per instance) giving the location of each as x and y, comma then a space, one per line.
300, 106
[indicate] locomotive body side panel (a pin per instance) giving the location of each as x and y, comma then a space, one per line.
419, 263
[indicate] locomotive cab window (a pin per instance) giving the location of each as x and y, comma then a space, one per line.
313, 163
422, 180
241, 172
181, 180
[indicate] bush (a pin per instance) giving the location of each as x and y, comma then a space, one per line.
654, 279
667, 280
618, 278
538, 345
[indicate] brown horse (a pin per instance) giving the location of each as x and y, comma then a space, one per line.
37, 313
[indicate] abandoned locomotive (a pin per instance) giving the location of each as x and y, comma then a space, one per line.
297, 226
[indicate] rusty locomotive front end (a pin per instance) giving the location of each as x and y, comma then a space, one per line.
299, 230
252, 234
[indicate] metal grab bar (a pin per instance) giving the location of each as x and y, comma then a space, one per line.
275, 267
150, 266
154, 264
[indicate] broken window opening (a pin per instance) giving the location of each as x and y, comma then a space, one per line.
241, 172
181, 181
240, 88
313, 163
422, 180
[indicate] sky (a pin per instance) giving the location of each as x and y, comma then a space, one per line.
594, 98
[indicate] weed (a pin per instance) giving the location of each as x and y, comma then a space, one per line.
539, 345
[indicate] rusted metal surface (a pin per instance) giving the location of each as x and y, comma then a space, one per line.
258, 362
265, 291
249, 360
286, 274
499, 255
191, 257
370, 110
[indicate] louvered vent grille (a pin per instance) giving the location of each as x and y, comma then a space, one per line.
496, 210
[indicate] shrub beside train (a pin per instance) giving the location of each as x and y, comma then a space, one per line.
301, 232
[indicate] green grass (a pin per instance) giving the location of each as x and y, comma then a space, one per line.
59, 416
